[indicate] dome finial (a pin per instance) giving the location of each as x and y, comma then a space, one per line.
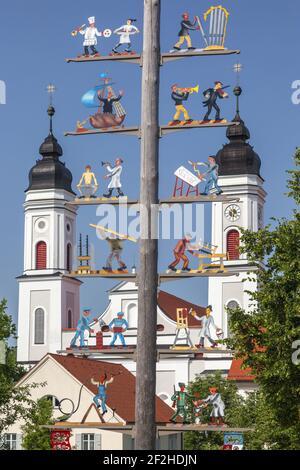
51, 89
237, 68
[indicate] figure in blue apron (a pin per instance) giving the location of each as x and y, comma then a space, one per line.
82, 325
118, 326
212, 173
101, 397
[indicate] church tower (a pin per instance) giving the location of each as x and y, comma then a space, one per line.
239, 178
48, 297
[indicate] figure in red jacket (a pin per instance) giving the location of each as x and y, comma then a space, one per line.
179, 253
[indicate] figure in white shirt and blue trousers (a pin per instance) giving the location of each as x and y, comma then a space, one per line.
115, 174
125, 32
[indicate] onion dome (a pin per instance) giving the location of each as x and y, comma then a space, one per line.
49, 172
238, 157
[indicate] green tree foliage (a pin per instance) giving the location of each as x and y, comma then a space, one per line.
34, 436
266, 337
15, 402
233, 402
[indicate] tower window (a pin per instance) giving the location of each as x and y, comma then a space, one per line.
41, 255
231, 304
39, 326
233, 244
70, 319
69, 257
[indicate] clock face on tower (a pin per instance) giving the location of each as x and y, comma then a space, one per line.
233, 212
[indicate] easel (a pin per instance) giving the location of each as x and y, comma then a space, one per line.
179, 187
182, 324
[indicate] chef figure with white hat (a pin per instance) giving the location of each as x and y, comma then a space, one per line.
90, 37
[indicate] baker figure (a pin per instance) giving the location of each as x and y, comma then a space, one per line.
90, 37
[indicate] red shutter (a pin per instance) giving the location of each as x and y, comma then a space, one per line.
233, 244
41, 256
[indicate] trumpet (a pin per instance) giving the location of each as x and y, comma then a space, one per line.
194, 89
76, 31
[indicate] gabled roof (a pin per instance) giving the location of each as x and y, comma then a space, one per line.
120, 393
238, 374
168, 303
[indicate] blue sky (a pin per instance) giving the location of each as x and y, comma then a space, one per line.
35, 40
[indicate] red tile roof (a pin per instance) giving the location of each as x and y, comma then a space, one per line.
168, 303
121, 392
238, 374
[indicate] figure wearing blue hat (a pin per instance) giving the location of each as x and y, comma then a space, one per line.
82, 325
118, 326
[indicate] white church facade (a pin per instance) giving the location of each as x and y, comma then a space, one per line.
49, 299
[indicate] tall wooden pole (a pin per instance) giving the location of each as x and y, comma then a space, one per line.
145, 435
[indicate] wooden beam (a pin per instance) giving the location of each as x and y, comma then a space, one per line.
135, 131
170, 56
131, 58
164, 130
147, 277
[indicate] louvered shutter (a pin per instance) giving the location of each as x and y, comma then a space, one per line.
233, 244
39, 326
41, 255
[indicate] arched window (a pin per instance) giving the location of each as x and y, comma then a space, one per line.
70, 319
231, 304
39, 326
233, 244
69, 257
41, 255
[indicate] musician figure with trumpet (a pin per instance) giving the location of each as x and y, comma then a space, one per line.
179, 95
90, 34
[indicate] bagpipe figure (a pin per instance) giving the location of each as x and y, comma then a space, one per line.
114, 174
83, 325
110, 112
211, 96
88, 184
118, 326
180, 95
125, 32
90, 34
180, 403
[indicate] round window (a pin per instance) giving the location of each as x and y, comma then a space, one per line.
41, 225
68, 227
